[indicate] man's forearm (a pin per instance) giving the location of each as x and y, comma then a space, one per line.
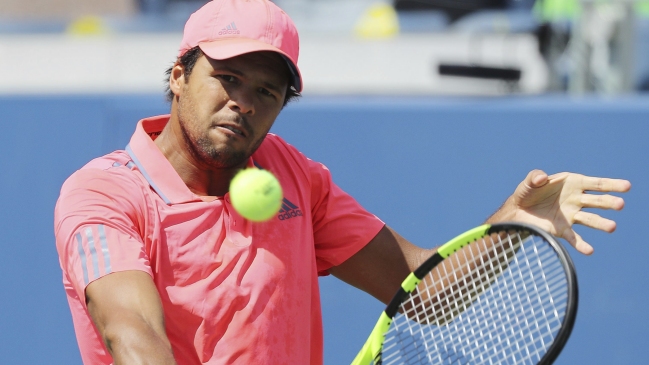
126, 309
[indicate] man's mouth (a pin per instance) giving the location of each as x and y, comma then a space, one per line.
233, 129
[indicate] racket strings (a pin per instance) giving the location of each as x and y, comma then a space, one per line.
497, 301
498, 318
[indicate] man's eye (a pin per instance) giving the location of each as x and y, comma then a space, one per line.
228, 78
266, 92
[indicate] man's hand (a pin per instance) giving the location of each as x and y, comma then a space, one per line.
555, 203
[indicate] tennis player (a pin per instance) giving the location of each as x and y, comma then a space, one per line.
158, 267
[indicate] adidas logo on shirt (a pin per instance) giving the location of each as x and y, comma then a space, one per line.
230, 29
289, 210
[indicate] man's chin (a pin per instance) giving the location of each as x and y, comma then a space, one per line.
228, 159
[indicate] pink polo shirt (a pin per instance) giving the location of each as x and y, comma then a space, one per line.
233, 292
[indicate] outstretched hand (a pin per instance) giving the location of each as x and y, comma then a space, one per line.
555, 203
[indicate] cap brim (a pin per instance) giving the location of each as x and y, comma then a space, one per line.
223, 49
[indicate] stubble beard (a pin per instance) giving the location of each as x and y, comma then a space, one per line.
201, 146
226, 158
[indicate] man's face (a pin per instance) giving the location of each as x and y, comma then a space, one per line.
226, 107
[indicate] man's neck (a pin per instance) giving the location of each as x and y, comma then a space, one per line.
201, 179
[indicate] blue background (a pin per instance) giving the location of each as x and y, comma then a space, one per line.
430, 167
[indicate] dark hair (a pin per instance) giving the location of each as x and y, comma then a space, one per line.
188, 60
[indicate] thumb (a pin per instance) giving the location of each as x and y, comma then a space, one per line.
536, 179
526, 190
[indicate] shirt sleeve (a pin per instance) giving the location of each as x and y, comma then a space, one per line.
99, 224
341, 226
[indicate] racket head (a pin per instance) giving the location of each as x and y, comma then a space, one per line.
519, 308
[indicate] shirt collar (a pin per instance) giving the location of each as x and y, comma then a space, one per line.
155, 167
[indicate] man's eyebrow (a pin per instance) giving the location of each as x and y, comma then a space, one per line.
267, 84
272, 86
229, 69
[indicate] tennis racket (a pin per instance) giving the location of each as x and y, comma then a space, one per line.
497, 294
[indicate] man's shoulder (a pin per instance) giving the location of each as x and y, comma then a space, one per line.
107, 173
274, 140
105, 162
275, 149
276, 144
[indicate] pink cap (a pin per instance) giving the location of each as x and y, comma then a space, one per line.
228, 28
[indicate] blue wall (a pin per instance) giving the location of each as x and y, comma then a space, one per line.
430, 167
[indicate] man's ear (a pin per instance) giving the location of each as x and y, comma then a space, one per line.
177, 79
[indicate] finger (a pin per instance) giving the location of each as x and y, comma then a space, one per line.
594, 221
605, 185
577, 242
602, 201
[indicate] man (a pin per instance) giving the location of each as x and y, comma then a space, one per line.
160, 269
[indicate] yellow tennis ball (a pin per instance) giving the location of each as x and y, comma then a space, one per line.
256, 194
